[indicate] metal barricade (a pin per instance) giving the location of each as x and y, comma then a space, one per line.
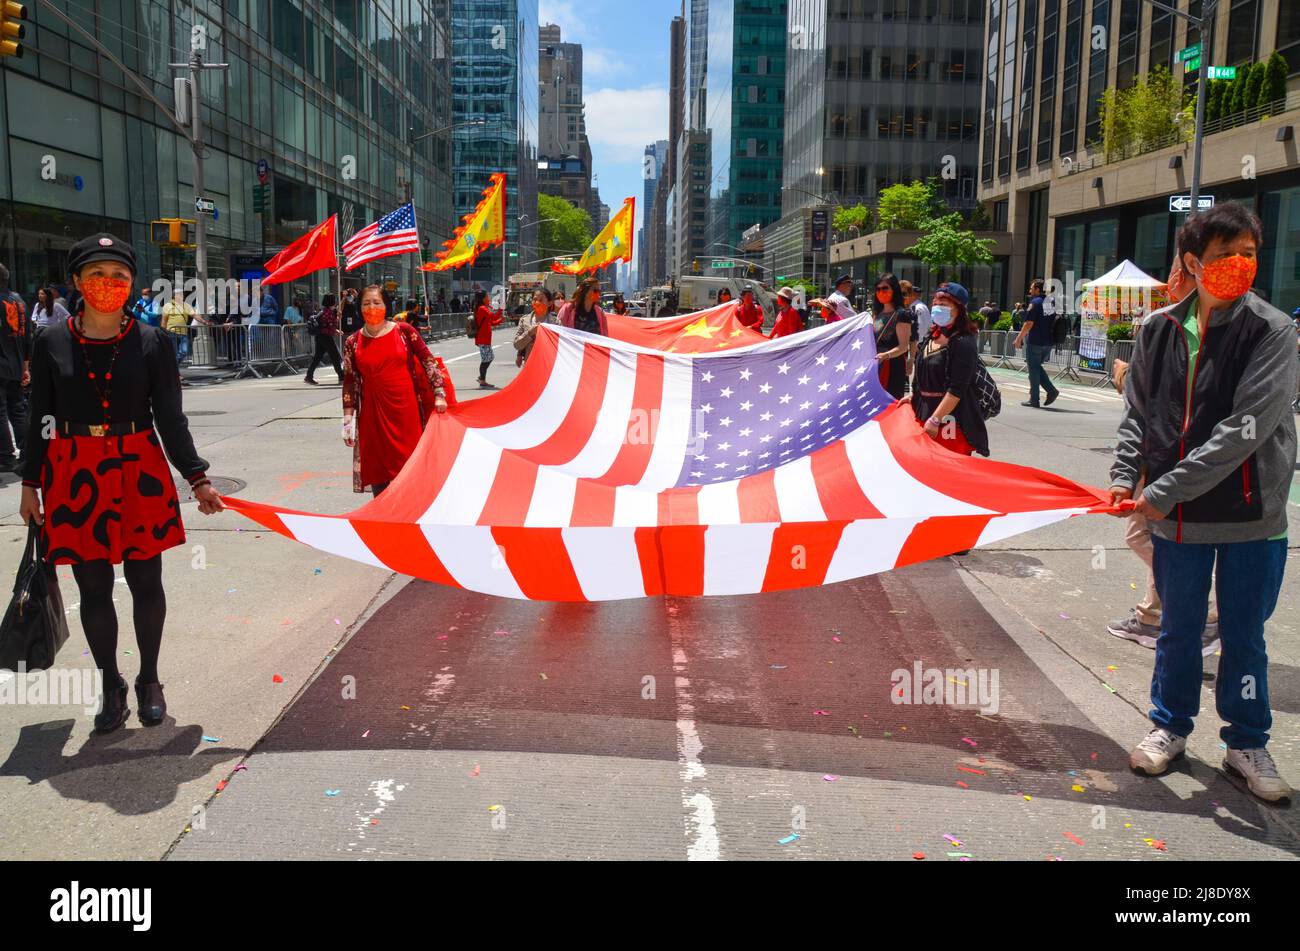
298, 344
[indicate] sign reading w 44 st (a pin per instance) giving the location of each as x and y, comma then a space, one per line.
1183, 203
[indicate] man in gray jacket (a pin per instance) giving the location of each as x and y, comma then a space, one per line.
1209, 425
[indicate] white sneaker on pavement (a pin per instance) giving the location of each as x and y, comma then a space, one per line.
1157, 750
1131, 629
1259, 771
1210, 639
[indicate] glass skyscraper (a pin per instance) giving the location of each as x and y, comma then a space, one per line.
331, 93
494, 85
745, 114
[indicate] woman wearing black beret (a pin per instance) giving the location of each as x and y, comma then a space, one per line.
105, 402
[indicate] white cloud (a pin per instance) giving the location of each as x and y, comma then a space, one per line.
601, 63
621, 122
560, 12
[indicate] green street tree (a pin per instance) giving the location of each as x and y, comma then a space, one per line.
944, 242
570, 233
907, 207
857, 216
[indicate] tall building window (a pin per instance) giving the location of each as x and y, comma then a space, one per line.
1008, 86
1288, 34
1130, 23
1161, 48
1047, 88
1070, 77
1243, 31
991, 90
1028, 43
1098, 67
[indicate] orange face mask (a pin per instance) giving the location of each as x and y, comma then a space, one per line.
106, 294
1228, 278
540, 307
374, 314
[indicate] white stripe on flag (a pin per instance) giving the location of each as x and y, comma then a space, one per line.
1005, 526
472, 557
465, 491
892, 489
869, 546
605, 561
719, 503
669, 452
540, 421
333, 535
552, 502
735, 557
610, 433
633, 507
796, 492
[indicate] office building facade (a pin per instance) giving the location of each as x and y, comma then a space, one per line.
495, 91
1074, 213
653, 168
336, 97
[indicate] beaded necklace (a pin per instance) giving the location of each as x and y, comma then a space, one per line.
102, 392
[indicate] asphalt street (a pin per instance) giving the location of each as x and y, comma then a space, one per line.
325, 709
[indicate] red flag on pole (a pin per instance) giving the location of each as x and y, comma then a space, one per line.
314, 251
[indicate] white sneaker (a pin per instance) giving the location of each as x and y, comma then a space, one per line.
1210, 639
1156, 751
1259, 771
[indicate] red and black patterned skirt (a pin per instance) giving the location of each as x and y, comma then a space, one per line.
109, 498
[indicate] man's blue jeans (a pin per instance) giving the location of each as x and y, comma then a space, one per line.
182, 341
1249, 578
1035, 356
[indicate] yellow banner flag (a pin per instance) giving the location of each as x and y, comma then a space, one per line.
483, 228
614, 243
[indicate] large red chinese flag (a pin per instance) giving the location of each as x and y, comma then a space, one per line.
312, 252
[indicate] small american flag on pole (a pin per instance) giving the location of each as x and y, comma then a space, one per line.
392, 234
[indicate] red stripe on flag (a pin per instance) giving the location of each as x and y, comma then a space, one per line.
423, 476
801, 553
941, 535
680, 506
643, 423
539, 561
837, 487
511, 493
757, 494
580, 422
497, 409
652, 566
998, 486
262, 514
683, 559
403, 547
593, 504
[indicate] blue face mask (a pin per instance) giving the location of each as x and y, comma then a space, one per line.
942, 315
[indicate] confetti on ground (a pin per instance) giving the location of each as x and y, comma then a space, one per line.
240, 767
501, 633
475, 771
543, 676
1108, 687
332, 792
1112, 668
126, 652
853, 729
316, 571
1094, 756
918, 855
1065, 617
277, 679
962, 785
821, 713
959, 855
1073, 838
1157, 844
494, 808
338, 622
971, 769
829, 778
836, 640
792, 837
442, 637
1027, 798
405, 707
960, 683
778, 666
967, 739
889, 735
374, 822
897, 612
366, 734
1133, 586
211, 739
221, 785
952, 839
1077, 788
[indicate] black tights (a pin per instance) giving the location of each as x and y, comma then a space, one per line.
99, 617
482, 370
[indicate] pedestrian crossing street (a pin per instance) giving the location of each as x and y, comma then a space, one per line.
1011, 382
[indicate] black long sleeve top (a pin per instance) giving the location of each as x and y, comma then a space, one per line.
145, 386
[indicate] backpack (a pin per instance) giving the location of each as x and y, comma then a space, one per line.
987, 394
1060, 326
471, 326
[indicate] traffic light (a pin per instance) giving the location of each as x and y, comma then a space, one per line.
172, 232
11, 31
695, 265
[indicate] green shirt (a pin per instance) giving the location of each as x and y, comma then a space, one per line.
1192, 331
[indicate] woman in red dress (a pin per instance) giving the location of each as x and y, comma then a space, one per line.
109, 389
392, 382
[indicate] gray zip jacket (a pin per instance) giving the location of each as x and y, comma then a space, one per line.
1220, 469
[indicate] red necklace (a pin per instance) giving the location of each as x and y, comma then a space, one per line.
102, 392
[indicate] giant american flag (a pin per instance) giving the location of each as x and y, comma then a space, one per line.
392, 234
610, 469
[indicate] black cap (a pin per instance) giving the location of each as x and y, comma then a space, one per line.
842, 278
101, 247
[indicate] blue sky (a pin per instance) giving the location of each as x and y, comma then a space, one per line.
625, 83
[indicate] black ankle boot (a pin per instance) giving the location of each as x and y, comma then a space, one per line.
114, 712
151, 702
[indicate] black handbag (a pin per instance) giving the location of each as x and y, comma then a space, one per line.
34, 627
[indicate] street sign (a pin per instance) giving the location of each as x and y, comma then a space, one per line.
1181, 204
722, 264
205, 206
263, 170
260, 198
1191, 52
1192, 65
1221, 72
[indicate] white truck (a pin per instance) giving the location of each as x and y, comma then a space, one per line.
691, 293
519, 297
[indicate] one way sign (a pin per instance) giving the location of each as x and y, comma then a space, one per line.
1181, 204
